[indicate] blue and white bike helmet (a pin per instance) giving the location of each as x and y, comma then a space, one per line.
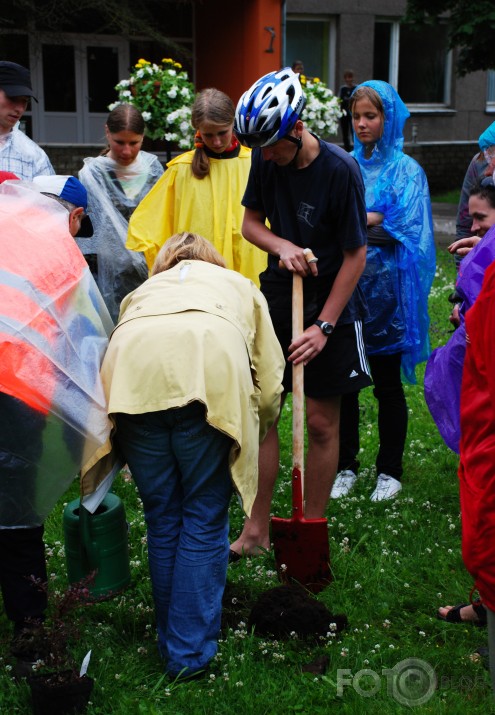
268, 110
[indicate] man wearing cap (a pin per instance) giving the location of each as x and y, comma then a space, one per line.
18, 153
68, 191
54, 331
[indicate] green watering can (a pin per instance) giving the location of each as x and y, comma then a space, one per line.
98, 542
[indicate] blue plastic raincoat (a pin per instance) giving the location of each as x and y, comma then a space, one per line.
398, 276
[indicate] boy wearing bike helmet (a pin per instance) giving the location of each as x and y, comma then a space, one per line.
312, 194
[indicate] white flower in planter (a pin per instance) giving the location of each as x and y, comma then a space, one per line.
164, 95
322, 110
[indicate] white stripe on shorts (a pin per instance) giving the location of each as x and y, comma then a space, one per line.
363, 362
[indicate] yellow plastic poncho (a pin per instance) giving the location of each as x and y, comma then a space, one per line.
210, 206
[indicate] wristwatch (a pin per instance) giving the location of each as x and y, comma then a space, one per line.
326, 328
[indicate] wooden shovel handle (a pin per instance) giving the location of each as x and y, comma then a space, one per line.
297, 403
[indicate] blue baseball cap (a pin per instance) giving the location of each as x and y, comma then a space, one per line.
70, 189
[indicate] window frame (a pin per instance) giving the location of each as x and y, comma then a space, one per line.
417, 107
490, 92
331, 39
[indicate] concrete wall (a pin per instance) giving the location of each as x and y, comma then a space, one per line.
68, 158
445, 163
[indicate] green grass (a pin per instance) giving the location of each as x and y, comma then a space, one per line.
448, 197
394, 564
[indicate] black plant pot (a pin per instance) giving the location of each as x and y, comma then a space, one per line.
61, 693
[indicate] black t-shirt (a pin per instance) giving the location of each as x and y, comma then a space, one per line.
321, 207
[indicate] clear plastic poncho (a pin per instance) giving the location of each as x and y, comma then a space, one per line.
54, 330
110, 206
398, 277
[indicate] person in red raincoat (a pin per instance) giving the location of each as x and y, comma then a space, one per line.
477, 451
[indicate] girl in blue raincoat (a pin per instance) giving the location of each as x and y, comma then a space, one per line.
399, 272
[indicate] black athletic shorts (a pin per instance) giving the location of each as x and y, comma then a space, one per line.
340, 368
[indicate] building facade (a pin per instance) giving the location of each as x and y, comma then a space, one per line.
370, 39
229, 45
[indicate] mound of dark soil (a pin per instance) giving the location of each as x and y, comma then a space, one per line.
288, 609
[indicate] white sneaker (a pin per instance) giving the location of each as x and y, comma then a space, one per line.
386, 488
344, 481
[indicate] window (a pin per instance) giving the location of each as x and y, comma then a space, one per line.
59, 78
416, 61
312, 40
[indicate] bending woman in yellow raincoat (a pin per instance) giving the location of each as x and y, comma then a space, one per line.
201, 192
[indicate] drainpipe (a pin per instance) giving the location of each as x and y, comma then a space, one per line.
283, 25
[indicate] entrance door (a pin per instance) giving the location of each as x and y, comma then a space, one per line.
77, 81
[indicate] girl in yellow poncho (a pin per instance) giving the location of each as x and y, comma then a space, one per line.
201, 192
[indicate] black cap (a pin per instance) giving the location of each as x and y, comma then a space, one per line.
15, 80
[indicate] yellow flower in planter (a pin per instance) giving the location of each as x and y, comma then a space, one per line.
164, 95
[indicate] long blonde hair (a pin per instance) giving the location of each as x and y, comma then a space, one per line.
210, 105
186, 246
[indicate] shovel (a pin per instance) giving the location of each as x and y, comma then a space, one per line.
300, 545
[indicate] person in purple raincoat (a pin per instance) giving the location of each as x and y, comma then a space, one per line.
444, 369
443, 373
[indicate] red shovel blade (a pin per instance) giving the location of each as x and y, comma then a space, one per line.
302, 552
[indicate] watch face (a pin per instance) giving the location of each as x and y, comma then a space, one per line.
326, 328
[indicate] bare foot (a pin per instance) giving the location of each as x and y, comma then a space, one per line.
250, 543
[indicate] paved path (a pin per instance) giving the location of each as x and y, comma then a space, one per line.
444, 216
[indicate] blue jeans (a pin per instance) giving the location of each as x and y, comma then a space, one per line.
181, 467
